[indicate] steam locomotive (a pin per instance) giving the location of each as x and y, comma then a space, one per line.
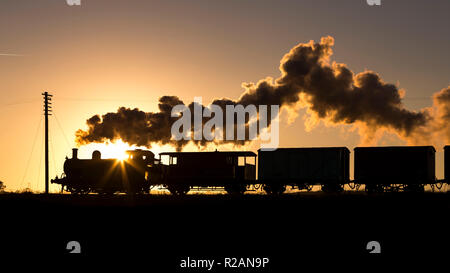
379, 169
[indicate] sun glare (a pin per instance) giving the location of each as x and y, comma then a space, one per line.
118, 149
115, 150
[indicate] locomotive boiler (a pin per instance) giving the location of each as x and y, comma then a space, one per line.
108, 176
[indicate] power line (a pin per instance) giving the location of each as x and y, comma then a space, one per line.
20, 102
101, 99
62, 131
32, 150
53, 154
39, 166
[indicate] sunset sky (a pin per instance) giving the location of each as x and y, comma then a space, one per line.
105, 54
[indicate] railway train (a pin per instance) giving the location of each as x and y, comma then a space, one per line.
379, 169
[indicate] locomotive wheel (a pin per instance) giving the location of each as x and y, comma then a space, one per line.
374, 188
307, 187
72, 190
332, 188
178, 189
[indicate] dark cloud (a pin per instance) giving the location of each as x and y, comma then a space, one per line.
334, 93
331, 91
133, 126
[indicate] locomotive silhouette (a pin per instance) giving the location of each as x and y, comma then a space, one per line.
379, 169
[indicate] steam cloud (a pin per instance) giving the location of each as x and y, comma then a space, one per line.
330, 91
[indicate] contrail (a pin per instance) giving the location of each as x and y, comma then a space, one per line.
11, 55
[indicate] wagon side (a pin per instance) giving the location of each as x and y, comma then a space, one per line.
303, 168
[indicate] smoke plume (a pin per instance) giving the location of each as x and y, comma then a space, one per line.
330, 91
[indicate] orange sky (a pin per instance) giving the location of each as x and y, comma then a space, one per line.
107, 54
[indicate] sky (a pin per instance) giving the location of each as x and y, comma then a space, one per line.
105, 54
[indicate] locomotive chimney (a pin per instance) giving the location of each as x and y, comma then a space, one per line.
74, 153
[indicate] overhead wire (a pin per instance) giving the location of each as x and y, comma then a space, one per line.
40, 163
32, 151
52, 152
61, 129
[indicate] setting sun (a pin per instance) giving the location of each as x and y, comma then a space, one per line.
116, 149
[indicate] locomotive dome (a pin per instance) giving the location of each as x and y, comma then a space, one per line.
96, 155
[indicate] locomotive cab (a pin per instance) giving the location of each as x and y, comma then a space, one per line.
143, 156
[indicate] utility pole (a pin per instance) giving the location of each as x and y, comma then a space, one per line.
47, 112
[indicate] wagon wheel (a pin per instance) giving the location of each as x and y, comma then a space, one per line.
371, 188
84, 191
172, 190
105, 192
183, 190
235, 189
257, 187
389, 188
414, 188
274, 189
280, 189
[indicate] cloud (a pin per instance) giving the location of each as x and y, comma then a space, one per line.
330, 91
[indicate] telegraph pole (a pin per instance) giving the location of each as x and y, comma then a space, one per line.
47, 112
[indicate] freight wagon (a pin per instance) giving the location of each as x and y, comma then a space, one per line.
394, 168
303, 168
447, 164
232, 171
